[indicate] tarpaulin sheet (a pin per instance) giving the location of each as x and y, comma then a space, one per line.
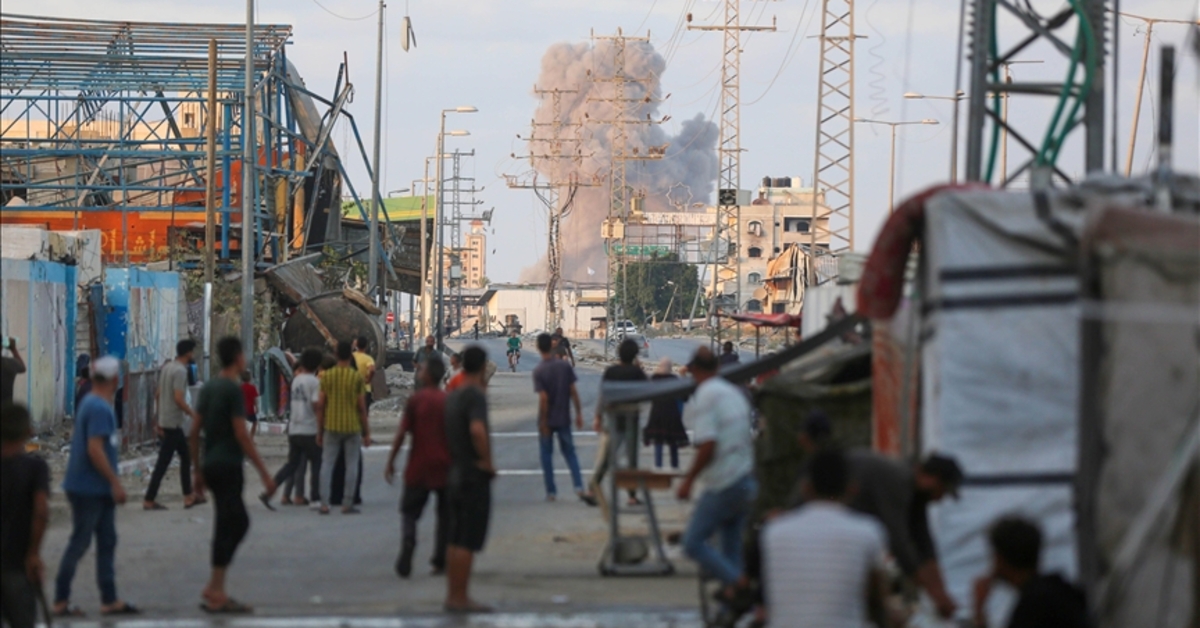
1000, 360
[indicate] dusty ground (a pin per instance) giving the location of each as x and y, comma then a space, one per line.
541, 557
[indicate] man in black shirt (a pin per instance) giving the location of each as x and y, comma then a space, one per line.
24, 512
624, 428
1046, 600
469, 486
562, 346
10, 368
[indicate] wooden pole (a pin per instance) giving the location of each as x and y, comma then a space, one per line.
210, 183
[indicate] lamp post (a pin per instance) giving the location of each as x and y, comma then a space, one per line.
958, 97
892, 163
441, 149
373, 224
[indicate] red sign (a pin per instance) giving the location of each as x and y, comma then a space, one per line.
391, 317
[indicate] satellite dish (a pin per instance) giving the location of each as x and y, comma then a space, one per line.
408, 38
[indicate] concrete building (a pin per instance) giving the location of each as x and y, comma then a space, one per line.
582, 315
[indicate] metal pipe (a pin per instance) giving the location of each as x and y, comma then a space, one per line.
210, 178
1137, 102
373, 236
437, 233
206, 362
247, 244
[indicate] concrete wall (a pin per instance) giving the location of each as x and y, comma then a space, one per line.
39, 309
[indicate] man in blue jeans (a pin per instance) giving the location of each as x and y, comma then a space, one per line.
554, 382
94, 490
724, 462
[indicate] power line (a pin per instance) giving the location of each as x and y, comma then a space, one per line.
343, 17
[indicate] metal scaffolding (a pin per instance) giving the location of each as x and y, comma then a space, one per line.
103, 124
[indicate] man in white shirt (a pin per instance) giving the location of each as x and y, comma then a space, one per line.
724, 462
823, 562
302, 433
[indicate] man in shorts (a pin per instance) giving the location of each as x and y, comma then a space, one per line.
469, 484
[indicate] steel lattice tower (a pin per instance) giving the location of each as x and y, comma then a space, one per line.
1075, 30
729, 150
832, 226
621, 194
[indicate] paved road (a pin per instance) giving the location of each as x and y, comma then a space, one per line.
541, 557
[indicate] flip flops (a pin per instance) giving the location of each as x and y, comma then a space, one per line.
70, 611
266, 501
230, 607
125, 609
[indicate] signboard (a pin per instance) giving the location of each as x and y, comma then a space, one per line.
642, 250
391, 317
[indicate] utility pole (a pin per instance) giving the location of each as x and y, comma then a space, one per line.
376, 199
248, 163
628, 112
556, 190
210, 204
832, 227
987, 89
456, 219
729, 152
1141, 83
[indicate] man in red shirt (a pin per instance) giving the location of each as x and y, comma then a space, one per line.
428, 464
250, 394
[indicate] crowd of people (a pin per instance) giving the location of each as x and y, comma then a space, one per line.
826, 558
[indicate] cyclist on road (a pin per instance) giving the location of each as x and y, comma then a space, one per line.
514, 351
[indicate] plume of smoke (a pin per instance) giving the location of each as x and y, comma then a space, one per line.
690, 159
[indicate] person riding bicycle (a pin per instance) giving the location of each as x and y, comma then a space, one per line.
514, 348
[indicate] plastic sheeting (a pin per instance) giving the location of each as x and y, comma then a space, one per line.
1000, 363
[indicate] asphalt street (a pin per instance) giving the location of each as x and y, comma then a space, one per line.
539, 567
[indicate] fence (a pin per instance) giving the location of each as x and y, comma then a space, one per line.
38, 308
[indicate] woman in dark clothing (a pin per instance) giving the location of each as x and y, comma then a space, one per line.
666, 421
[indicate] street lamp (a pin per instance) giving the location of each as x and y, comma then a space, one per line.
958, 97
441, 149
392, 193
892, 164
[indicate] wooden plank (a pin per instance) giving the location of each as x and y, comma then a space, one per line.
316, 321
361, 300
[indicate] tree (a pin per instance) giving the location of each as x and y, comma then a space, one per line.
648, 288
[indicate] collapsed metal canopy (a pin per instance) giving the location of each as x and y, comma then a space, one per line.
95, 55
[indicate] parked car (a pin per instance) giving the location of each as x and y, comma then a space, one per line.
624, 328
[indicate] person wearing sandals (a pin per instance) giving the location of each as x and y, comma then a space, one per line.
227, 443
342, 426
94, 491
302, 427
173, 408
665, 427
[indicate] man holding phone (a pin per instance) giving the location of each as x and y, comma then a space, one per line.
10, 368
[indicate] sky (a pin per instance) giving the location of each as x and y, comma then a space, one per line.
488, 53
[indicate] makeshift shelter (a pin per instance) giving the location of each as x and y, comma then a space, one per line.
1008, 280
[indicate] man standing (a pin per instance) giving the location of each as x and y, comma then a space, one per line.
728, 355
342, 426
227, 443
820, 559
94, 490
365, 365
423, 354
23, 519
554, 382
10, 368
428, 465
562, 346
725, 462
469, 488
624, 421
172, 409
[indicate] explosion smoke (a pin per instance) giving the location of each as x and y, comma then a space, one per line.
690, 159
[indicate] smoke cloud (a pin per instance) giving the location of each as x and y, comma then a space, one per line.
689, 167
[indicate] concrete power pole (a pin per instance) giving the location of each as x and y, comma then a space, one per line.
832, 227
248, 197
620, 195
728, 263
557, 189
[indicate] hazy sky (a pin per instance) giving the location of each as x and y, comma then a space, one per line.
488, 54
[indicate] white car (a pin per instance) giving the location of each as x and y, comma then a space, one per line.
624, 328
